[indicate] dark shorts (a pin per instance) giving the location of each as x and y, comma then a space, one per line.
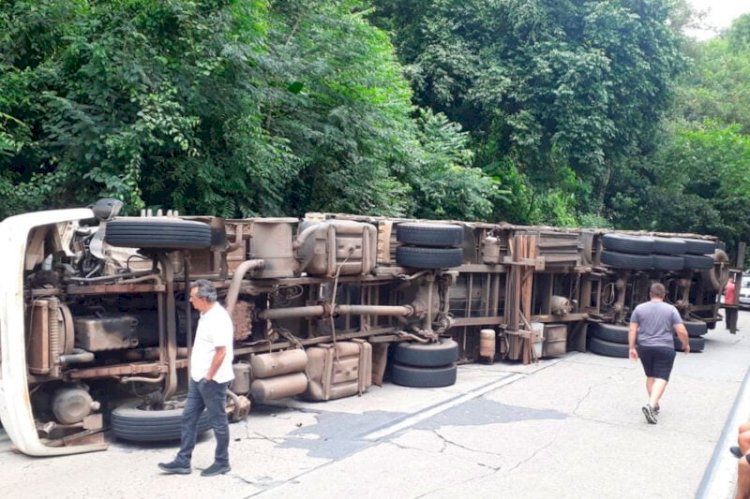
657, 361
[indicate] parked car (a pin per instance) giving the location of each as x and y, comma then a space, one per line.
744, 296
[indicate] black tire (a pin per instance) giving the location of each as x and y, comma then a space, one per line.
670, 245
129, 422
628, 244
429, 258
602, 347
433, 235
159, 233
696, 329
699, 246
424, 377
427, 354
698, 262
610, 333
627, 261
667, 262
696, 344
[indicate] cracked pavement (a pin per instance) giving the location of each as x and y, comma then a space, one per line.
568, 427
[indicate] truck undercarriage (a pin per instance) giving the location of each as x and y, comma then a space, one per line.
96, 330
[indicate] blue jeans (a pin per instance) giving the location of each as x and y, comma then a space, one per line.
211, 396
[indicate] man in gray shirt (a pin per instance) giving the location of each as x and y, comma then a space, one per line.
651, 327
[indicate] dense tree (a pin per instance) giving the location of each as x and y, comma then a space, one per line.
234, 108
697, 182
534, 111
557, 92
697, 178
127, 99
717, 86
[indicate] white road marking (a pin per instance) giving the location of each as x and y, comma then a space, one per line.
436, 409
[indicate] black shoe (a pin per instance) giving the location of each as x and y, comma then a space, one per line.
736, 452
175, 468
656, 410
216, 469
648, 411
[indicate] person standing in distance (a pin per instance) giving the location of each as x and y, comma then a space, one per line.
210, 374
730, 306
651, 326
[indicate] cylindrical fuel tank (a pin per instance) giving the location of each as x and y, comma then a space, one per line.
241, 382
560, 305
72, 404
268, 365
491, 250
263, 390
487, 344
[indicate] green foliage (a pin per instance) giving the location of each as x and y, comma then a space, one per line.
228, 107
530, 111
444, 185
550, 87
118, 98
696, 180
699, 183
739, 33
718, 84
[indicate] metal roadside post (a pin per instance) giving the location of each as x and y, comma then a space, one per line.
720, 478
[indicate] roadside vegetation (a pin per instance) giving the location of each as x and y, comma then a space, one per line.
563, 113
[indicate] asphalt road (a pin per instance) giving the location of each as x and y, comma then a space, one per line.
568, 427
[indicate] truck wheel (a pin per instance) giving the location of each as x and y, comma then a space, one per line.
670, 246
611, 333
696, 344
628, 244
434, 235
424, 377
666, 262
699, 246
131, 422
429, 258
627, 261
698, 262
427, 354
608, 348
696, 329
159, 233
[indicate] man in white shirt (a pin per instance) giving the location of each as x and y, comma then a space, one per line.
210, 374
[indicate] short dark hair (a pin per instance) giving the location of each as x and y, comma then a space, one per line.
205, 289
658, 290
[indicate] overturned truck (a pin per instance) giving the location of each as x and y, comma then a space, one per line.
96, 327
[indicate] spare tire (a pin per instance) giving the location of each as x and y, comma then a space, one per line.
429, 258
157, 233
434, 235
131, 422
427, 354
628, 244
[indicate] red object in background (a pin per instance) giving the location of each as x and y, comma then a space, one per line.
729, 294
